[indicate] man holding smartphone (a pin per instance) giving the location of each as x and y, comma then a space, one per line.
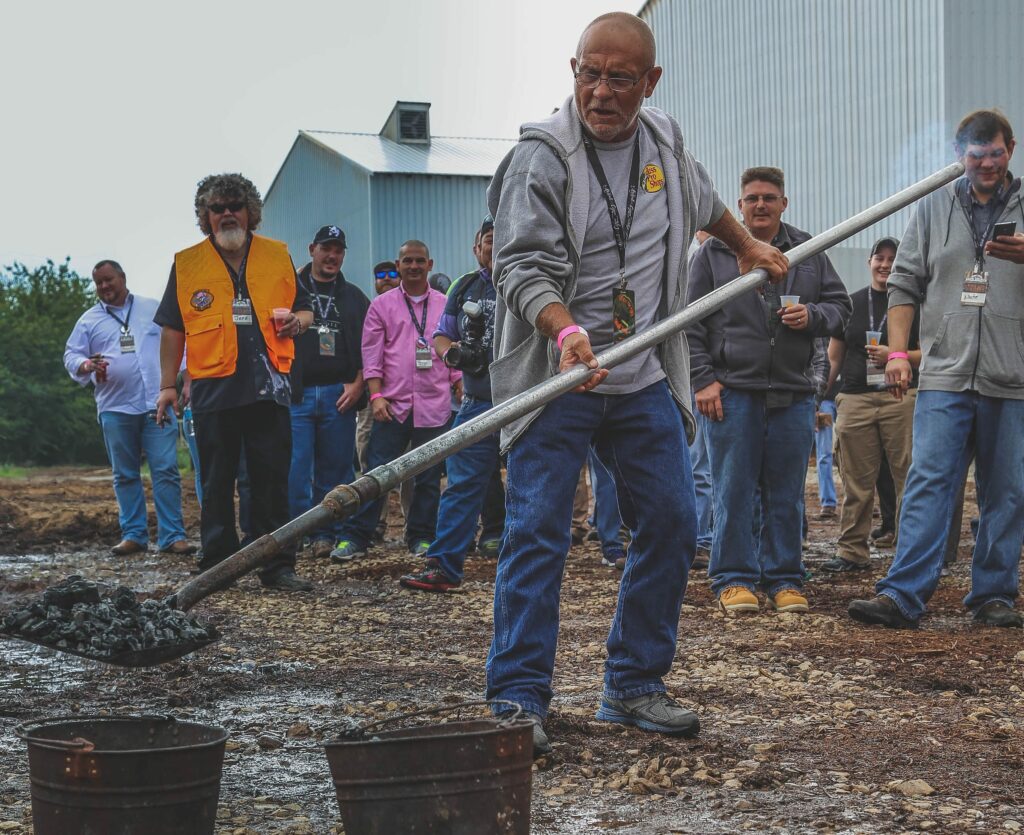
968, 281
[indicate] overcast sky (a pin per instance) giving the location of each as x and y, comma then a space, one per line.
114, 110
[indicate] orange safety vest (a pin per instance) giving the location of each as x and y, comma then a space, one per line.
205, 292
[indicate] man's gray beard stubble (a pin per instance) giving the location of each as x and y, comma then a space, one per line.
231, 240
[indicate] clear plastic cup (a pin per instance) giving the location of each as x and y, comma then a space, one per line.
789, 301
281, 315
872, 337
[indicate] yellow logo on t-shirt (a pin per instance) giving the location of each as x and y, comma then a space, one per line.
653, 178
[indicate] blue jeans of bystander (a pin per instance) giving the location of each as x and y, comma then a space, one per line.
702, 485
823, 449
606, 508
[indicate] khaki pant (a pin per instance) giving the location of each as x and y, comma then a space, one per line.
866, 424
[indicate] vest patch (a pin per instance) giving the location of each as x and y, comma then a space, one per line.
201, 299
653, 178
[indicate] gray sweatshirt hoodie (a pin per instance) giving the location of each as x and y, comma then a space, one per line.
963, 348
540, 200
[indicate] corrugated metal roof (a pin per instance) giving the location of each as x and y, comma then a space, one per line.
451, 155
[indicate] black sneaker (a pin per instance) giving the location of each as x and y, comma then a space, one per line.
430, 578
611, 559
841, 566
997, 613
286, 581
656, 712
880, 611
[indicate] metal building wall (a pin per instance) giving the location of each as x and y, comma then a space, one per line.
444, 212
849, 98
313, 188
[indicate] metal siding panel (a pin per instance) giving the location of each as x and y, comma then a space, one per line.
443, 212
846, 97
316, 187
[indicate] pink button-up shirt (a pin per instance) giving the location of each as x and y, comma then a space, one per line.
389, 352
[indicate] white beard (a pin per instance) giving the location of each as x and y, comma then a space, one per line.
231, 240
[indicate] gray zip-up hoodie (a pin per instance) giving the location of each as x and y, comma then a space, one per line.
540, 200
962, 348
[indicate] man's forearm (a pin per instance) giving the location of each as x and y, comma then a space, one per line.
553, 318
730, 232
901, 318
172, 347
373, 385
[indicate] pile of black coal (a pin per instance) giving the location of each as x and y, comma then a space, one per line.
75, 616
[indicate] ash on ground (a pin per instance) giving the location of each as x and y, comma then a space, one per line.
75, 616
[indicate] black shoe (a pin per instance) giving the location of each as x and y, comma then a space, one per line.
593, 536
702, 558
997, 613
286, 581
430, 578
541, 743
206, 563
578, 537
880, 611
841, 566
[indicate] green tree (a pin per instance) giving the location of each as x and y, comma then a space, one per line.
45, 417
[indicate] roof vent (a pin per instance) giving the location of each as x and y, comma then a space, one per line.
408, 123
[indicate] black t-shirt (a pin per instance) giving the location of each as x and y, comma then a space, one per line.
341, 308
854, 372
254, 377
475, 288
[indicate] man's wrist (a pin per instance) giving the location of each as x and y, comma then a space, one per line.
567, 331
375, 396
898, 355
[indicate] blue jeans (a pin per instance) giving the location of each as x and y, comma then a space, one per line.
323, 446
640, 438
702, 485
469, 475
754, 446
946, 425
127, 437
388, 440
823, 448
606, 507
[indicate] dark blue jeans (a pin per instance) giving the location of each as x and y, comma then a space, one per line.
323, 448
702, 486
756, 446
606, 507
945, 426
388, 440
640, 438
469, 475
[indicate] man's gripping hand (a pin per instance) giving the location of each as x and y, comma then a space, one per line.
759, 255
575, 350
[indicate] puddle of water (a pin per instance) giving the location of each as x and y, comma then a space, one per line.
29, 668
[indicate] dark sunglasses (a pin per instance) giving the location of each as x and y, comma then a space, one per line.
220, 208
387, 274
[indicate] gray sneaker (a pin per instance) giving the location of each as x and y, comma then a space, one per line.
347, 551
657, 712
541, 744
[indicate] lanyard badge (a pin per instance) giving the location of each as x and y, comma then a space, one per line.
424, 359
241, 311
326, 339
127, 342
975, 290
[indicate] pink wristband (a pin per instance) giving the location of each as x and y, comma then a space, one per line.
375, 395
568, 331
898, 355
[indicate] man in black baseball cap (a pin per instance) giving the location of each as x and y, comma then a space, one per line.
329, 233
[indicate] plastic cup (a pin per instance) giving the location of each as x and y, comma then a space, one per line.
281, 315
789, 301
872, 337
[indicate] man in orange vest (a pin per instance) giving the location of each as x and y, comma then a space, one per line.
233, 302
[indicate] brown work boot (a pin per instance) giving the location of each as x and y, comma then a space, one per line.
182, 548
128, 546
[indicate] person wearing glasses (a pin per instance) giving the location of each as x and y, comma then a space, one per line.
594, 209
751, 363
233, 301
961, 264
116, 346
385, 277
327, 384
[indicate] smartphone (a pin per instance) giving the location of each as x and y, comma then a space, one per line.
1008, 228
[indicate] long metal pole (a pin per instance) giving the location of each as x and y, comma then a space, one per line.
344, 500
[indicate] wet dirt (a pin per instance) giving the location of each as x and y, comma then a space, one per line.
810, 723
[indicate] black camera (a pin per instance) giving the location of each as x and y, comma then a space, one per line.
469, 354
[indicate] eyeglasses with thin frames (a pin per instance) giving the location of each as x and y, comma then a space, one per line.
590, 80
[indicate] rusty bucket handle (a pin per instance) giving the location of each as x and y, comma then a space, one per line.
505, 718
79, 744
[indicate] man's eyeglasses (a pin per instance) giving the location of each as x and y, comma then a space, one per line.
220, 208
386, 274
754, 199
589, 80
980, 156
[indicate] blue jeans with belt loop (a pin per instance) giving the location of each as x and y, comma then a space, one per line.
640, 438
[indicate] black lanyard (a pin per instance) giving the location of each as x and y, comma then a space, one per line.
998, 201
619, 229
871, 311
322, 310
421, 326
124, 324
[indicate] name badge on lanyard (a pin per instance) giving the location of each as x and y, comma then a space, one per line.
975, 291
326, 338
424, 359
241, 311
127, 342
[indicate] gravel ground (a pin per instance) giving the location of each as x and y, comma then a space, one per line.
810, 723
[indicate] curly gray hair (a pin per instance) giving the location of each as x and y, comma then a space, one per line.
227, 187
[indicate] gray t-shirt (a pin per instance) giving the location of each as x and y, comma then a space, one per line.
645, 258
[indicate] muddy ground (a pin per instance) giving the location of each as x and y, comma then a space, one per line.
810, 723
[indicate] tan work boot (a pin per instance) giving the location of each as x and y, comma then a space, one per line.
790, 600
736, 599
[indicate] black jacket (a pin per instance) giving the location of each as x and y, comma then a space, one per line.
347, 315
735, 344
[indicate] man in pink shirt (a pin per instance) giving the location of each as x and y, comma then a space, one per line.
410, 395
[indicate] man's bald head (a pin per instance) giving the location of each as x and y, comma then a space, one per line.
624, 27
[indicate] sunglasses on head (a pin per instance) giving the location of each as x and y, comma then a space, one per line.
220, 208
386, 274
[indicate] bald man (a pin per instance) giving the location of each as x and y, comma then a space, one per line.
594, 210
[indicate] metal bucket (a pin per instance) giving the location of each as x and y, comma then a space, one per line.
458, 778
117, 775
